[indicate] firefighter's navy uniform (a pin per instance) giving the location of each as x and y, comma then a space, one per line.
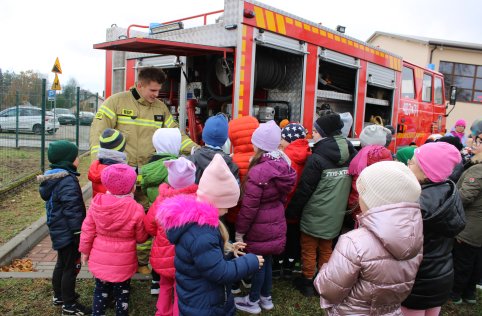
137, 120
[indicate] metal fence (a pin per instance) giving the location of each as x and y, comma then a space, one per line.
30, 121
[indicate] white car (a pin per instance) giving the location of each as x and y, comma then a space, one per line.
29, 120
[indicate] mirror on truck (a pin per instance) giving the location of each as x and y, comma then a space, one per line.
453, 95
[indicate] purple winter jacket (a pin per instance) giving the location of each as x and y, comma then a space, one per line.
262, 215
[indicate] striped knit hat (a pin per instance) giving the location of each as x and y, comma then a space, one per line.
112, 139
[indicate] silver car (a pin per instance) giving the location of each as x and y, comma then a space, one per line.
29, 120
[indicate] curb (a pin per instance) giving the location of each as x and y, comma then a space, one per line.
23, 242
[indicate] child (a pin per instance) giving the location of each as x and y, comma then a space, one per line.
240, 132
295, 145
374, 135
468, 246
443, 218
215, 134
203, 273
261, 222
404, 154
181, 176
109, 235
112, 145
321, 197
367, 156
459, 131
373, 268
60, 189
167, 142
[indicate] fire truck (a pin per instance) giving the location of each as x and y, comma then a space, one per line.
261, 61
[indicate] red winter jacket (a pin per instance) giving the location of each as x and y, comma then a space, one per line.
162, 251
297, 151
240, 132
95, 171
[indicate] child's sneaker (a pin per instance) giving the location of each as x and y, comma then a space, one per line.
76, 309
246, 283
244, 304
456, 299
470, 298
236, 288
155, 288
58, 301
265, 302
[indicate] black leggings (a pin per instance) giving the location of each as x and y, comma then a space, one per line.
65, 273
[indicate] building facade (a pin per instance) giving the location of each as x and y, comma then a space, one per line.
460, 62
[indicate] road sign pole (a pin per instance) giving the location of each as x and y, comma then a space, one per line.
78, 121
17, 101
42, 141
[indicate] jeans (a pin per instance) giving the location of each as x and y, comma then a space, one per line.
65, 273
262, 280
121, 291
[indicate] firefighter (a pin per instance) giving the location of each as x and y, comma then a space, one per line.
137, 114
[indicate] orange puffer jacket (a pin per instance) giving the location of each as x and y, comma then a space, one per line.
240, 131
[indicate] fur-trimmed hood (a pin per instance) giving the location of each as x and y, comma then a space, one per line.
48, 180
182, 211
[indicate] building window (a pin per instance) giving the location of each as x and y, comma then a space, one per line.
467, 78
408, 90
427, 88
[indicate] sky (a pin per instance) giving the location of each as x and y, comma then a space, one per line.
35, 32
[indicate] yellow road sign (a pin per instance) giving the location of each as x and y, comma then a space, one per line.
56, 84
56, 68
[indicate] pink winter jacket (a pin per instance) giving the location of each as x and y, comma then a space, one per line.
373, 268
109, 235
162, 251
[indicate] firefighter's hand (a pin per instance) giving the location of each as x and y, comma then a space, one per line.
260, 261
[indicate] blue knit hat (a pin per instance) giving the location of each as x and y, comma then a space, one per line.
215, 132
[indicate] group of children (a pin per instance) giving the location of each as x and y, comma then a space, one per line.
220, 218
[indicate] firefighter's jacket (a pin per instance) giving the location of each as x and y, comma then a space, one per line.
137, 120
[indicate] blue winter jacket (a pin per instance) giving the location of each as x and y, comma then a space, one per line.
64, 205
203, 273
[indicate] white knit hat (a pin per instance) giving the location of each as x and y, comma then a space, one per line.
387, 182
374, 135
167, 141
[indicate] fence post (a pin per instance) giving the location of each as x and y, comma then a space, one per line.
78, 121
42, 139
17, 101
96, 102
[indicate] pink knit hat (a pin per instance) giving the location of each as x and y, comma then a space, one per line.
437, 160
461, 122
118, 179
218, 185
181, 172
267, 136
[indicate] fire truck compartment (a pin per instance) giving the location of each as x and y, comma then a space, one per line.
278, 82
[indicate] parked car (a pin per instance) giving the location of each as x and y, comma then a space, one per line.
65, 116
86, 118
29, 120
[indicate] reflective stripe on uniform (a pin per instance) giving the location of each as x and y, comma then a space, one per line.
138, 122
108, 112
169, 122
186, 143
94, 149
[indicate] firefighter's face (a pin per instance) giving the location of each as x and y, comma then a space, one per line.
149, 91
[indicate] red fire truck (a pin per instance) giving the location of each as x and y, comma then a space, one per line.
258, 60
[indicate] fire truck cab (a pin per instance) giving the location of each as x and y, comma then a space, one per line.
261, 61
